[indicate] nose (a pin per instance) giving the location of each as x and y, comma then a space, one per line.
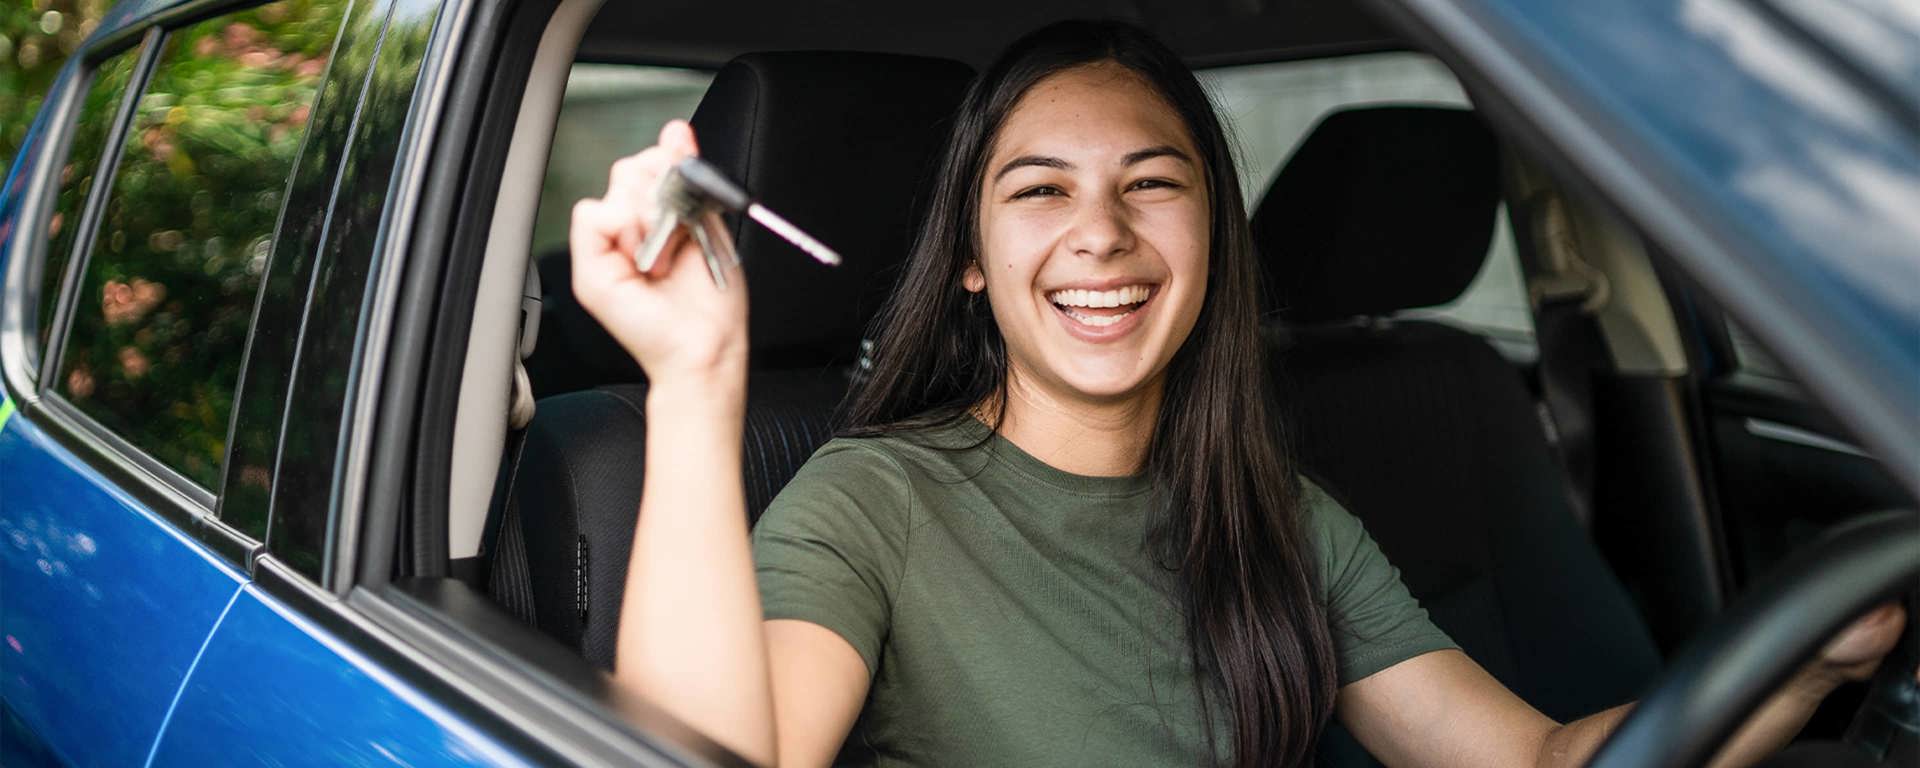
1101, 229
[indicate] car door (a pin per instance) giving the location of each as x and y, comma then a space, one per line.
1784, 468
290, 676
109, 426
142, 438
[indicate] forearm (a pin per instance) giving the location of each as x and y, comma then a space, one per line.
690, 625
1768, 730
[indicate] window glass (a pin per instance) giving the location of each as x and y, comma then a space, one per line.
162, 315
96, 116
609, 111
1270, 108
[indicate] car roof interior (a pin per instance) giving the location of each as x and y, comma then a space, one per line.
1206, 33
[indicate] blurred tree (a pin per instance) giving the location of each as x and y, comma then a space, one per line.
36, 37
155, 348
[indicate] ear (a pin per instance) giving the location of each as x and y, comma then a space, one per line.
973, 279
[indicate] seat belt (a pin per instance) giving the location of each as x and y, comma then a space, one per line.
1566, 293
503, 541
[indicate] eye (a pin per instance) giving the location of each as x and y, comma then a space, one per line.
1044, 190
1154, 184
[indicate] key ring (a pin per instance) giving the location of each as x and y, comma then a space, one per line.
693, 194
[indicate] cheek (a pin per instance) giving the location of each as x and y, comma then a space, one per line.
1011, 250
1182, 236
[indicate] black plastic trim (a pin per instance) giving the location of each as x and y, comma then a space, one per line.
408, 452
159, 488
227, 542
371, 477
307, 143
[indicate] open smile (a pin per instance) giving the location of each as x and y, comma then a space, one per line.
1102, 315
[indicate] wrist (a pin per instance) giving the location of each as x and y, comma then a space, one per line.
701, 394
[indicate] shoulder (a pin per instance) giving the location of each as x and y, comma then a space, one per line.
860, 470
1323, 518
1338, 539
863, 483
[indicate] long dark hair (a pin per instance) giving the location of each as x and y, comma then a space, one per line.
1231, 529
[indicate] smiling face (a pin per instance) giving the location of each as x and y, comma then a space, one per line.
1094, 227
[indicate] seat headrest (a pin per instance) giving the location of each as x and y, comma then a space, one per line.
1380, 209
843, 145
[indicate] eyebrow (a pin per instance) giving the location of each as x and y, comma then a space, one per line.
1025, 161
1164, 150
1133, 158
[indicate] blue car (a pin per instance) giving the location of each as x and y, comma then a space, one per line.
1604, 317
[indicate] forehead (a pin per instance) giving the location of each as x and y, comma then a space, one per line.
1093, 109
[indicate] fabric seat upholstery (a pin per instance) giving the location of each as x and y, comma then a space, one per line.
1423, 430
839, 143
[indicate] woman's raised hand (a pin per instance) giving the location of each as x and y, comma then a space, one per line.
675, 322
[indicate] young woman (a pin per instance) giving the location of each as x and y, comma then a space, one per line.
1060, 530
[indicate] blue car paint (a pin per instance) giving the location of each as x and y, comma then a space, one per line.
1760, 140
274, 689
106, 603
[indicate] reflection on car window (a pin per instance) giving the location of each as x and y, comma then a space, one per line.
162, 315
96, 116
1271, 107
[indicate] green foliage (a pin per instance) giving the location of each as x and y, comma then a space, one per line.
36, 37
170, 288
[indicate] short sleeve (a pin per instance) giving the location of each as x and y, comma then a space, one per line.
1375, 622
830, 548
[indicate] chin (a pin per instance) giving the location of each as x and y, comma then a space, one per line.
1101, 382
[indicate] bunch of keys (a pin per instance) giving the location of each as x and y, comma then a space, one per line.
693, 194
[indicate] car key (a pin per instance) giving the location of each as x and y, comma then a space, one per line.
692, 194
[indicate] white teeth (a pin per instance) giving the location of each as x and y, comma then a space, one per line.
1098, 321
1132, 294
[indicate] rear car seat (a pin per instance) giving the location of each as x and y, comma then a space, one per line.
1423, 430
841, 144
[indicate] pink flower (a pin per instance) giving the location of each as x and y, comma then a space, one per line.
123, 303
133, 362
80, 382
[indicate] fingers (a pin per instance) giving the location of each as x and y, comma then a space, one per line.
606, 232
677, 137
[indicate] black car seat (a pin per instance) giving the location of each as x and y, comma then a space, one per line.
839, 143
1427, 434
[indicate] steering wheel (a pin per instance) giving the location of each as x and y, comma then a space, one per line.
1731, 668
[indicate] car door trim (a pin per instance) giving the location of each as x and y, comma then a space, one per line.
357, 484
166, 491
1784, 433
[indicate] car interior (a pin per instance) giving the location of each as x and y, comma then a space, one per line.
1545, 427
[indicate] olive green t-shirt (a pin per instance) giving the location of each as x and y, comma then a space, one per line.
1011, 613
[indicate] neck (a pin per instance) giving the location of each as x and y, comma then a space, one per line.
1097, 438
